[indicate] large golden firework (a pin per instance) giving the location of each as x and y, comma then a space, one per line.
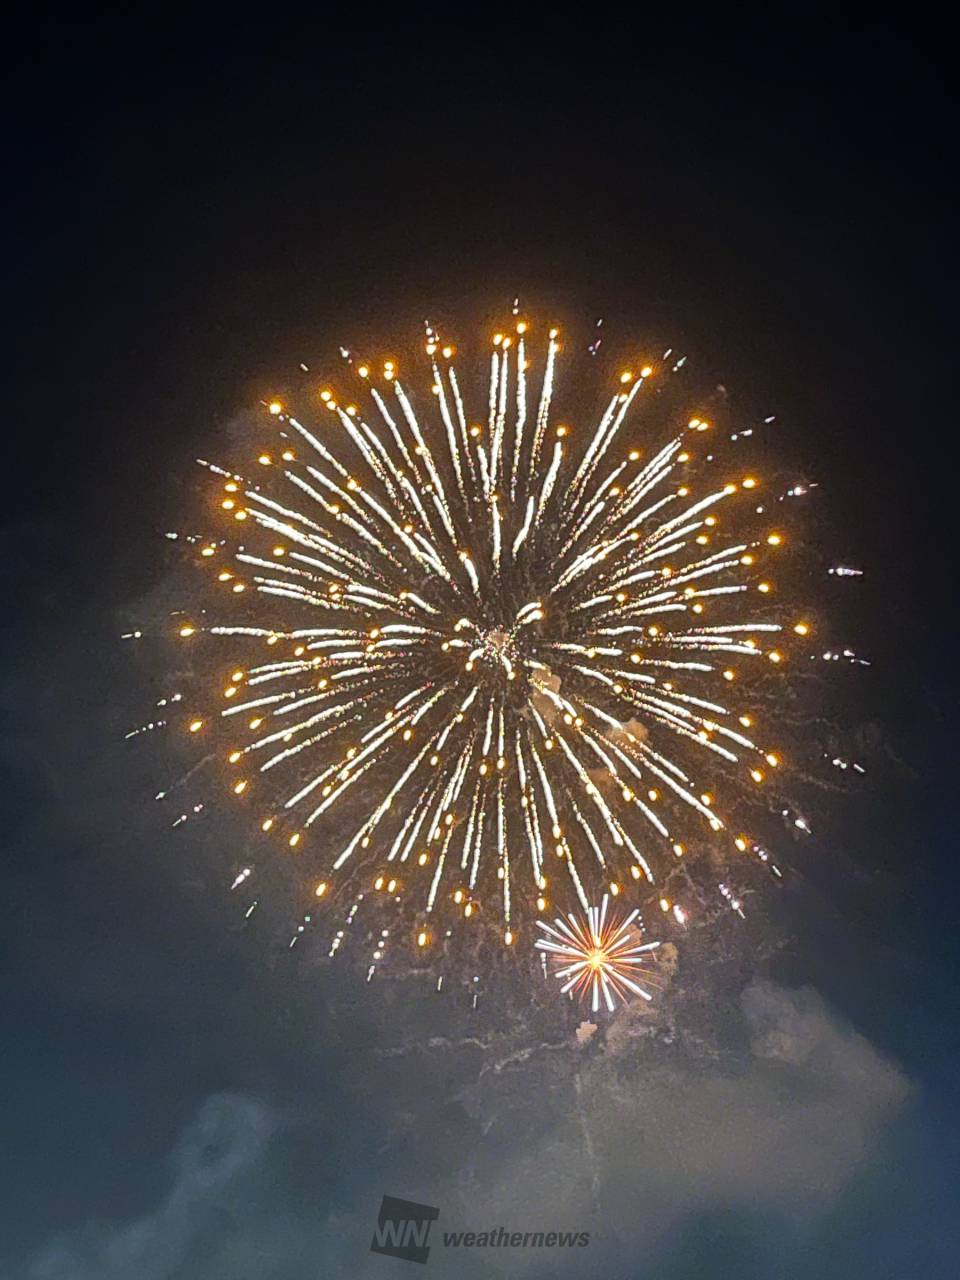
482, 666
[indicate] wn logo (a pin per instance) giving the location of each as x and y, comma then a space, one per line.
403, 1229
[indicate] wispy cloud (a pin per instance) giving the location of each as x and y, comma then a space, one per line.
224, 1143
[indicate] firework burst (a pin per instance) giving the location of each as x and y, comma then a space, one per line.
478, 666
598, 957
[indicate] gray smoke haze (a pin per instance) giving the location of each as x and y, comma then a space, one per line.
630, 1141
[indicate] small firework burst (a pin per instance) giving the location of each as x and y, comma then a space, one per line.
598, 955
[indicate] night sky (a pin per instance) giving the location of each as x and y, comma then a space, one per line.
192, 211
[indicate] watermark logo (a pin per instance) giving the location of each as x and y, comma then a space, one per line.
403, 1229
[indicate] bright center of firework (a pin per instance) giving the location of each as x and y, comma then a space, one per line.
497, 645
598, 959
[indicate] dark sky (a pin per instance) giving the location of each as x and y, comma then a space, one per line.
194, 208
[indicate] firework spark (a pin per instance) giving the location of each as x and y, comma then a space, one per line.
479, 666
599, 957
